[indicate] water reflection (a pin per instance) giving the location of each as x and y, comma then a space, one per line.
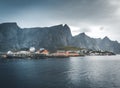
75, 72
92, 72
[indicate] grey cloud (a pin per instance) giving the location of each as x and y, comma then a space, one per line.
93, 11
71, 12
85, 30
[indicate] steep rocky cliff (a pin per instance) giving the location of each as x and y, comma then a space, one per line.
14, 37
84, 41
9, 36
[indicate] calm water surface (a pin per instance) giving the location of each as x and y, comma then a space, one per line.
74, 72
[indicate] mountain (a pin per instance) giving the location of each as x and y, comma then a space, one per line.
105, 44
8, 36
48, 37
51, 38
14, 37
83, 41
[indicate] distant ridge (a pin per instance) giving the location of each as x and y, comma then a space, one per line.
12, 37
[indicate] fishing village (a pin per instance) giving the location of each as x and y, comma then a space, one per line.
43, 53
39, 54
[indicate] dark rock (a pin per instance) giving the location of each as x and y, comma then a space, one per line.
51, 38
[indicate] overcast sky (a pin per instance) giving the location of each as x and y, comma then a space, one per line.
97, 18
